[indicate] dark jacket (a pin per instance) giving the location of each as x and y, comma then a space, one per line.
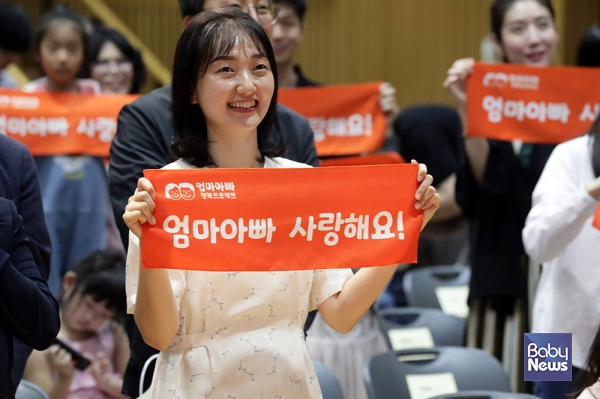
19, 183
28, 311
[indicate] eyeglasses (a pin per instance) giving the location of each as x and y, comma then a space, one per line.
266, 14
103, 66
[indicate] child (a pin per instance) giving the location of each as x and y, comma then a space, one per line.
15, 37
236, 334
93, 299
74, 187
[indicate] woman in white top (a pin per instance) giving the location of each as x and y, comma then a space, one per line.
228, 335
559, 233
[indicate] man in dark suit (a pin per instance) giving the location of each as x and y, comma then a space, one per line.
143, 141
19, 183
28, 311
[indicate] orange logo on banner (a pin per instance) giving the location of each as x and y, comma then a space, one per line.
283, 219
536, 105
378, 158
61, 123
346, 119
597, 218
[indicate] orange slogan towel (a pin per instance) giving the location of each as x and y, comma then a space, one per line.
283, 219
535, 105
61, 123
345, 119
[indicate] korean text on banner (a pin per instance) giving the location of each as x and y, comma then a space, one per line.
282, 219
536, 105
61, 123
596, 222
346, 119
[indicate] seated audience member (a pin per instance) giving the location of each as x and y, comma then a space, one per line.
588, 53
92, 302
288, 33
28, 311
15, 37
115, 64
143, 141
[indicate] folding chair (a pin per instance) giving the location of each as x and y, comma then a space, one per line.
423, 373
424, 286
408, 328
330, 387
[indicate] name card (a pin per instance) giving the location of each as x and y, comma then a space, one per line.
410, 338
453, 300
425, 386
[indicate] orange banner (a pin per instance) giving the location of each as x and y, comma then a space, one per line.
283, 219
61, 123
346, 119
379, 158
536, 105
597, 218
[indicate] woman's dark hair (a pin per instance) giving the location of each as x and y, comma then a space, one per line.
500, 8
62, 13
589, 48
208, 37
591, 374
103, 34
102, 275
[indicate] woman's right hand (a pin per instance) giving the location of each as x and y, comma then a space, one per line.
139, 207
455, 83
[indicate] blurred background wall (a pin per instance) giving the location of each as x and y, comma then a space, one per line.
410, 43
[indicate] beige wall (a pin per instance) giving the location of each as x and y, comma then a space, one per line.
410, 43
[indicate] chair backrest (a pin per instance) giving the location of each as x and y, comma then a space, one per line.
486, 395
420, 284
28, 390
330, 387
470, 369
403, 328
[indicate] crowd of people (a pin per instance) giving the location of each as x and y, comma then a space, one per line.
71, 272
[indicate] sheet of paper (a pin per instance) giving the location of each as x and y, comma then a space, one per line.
409, 338
425, 386
453, 300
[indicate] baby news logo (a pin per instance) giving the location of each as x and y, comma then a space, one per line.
548, 357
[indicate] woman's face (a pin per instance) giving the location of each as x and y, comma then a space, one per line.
61, 52
236, 91
529, 35
113, 70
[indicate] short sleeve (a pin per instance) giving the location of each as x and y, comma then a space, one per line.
177, 277
326, 283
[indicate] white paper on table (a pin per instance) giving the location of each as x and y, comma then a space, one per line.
410, 338
453, 299
425, 386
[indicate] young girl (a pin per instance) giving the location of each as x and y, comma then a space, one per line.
495, 182
93, 298
559, 232
74, 187
228, 335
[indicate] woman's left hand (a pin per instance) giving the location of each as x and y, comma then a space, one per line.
428, 199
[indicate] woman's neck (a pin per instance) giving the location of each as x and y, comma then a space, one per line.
70, 87
287, 76
239, 151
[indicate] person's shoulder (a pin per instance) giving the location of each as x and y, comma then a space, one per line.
279, 162
179, 164
576, 147
286, 114
8, 211
10, 146
158, 98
